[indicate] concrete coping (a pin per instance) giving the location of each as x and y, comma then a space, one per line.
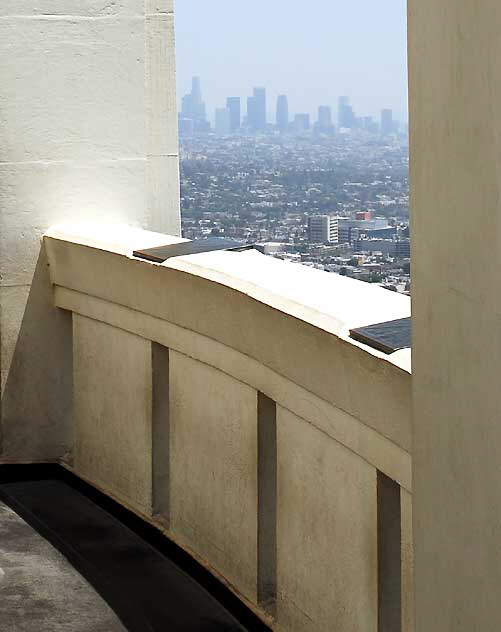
328, 301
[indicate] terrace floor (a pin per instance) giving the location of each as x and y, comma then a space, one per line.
40, 590
68, 565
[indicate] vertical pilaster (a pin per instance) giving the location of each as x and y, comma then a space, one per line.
161, 121
455, 101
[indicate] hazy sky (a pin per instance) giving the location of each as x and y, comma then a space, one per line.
313, 51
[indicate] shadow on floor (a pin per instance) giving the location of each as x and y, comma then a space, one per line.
149, 583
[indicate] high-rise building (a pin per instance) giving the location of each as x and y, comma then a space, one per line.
198, 102
187, 106
223, 121
324, 116
370, 125
196, 89
343, 101
323, 229
301, 122
186, 127
349, 117
324, 123
233, 105
387, 126
345, 114
251, 114
282, 113
260, 109
193, 106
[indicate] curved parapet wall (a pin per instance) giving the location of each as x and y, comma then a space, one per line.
220, 396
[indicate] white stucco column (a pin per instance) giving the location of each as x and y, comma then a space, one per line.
455, 103
88, 132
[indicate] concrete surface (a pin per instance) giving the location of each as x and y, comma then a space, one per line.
40, 591
348, 430
88, 122
233, 330
455, 100
214, 488
407, 562
221, 294
112, 411
140, 575
326, 533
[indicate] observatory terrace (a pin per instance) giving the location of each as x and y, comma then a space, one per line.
221, 404
220, 398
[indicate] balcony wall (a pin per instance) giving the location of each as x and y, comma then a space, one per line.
220, 397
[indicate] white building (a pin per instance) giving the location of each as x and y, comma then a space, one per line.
323, 229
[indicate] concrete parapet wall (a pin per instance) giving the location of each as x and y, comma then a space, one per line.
236, 420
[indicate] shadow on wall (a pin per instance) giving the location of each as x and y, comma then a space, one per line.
37, 398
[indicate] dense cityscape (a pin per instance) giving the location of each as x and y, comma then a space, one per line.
333, 197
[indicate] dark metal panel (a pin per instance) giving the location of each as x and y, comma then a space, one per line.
162, 253
386, 337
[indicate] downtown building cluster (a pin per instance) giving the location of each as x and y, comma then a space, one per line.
229, 120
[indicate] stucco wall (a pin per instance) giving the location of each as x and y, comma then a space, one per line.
88, 132
455, 100
113, 433
327, 536
250, 460
214, 487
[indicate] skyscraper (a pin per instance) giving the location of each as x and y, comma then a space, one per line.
233, 105
260, 108
301, 122
324, 124
187, 106
186, 127
343, 102
282, 113
324, 116
387, 122
251, 114
223, 121
370, 125
193, 106
196, 90
345, 114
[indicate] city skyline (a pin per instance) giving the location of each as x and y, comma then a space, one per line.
357, 49
231, 117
